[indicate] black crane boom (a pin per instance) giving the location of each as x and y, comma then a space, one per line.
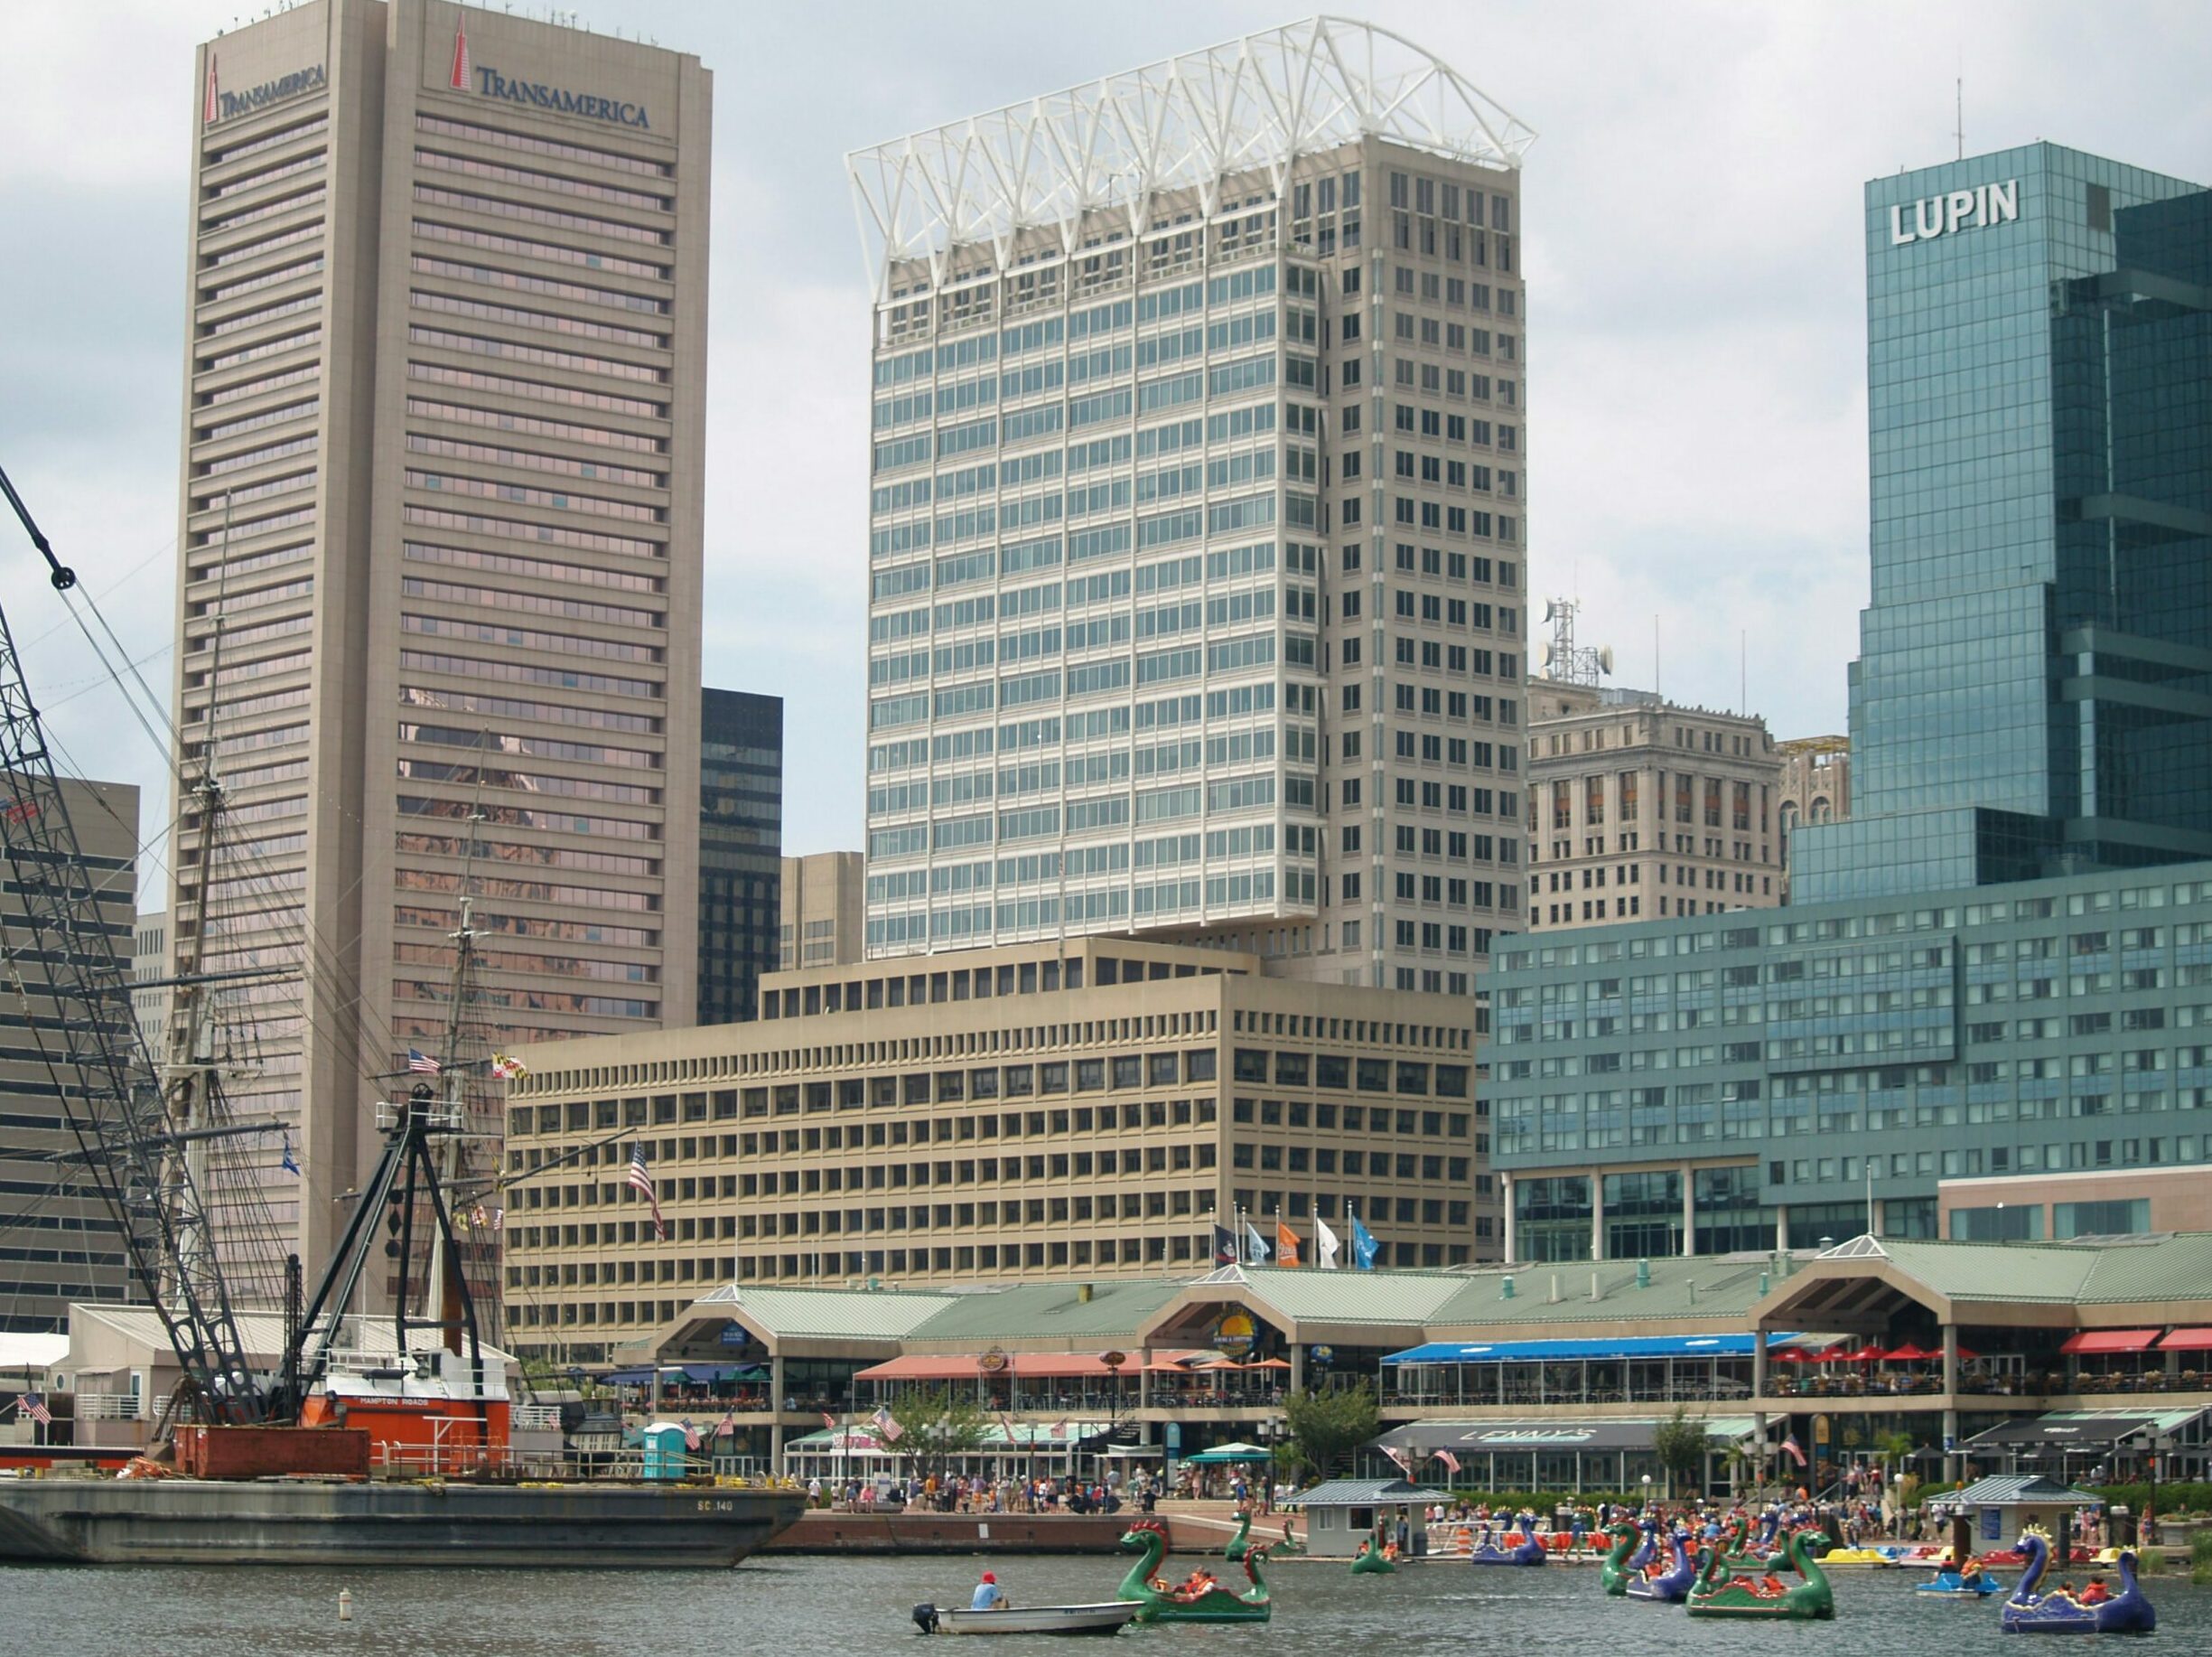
80, 1007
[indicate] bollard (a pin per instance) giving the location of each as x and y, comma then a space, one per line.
345, 1604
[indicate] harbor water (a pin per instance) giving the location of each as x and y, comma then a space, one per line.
810, 1605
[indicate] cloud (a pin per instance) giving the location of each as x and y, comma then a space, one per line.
1697, 445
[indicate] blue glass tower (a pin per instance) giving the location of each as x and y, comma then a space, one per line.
2034, 689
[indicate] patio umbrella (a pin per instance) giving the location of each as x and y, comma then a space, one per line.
1908, 1353
1869, 1353
1269, 1363
1792, 1354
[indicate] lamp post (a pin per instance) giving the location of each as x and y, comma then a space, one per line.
1113, 1361
1647, 1493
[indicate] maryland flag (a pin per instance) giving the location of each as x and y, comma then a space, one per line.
508, 1069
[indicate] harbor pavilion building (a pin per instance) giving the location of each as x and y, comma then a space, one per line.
2081, 1359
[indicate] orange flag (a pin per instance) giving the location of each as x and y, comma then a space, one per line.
1286, 1246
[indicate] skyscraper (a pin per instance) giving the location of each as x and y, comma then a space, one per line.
57, 1241
2030, 696
1198, 514
740, 849
439, 594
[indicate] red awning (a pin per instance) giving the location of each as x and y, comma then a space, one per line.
958, 1366
2188, 1340
2110, 1341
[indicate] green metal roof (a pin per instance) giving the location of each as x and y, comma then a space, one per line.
2150, 1269
1308, 1295
1719, 1287
1031, 1312
888, 1315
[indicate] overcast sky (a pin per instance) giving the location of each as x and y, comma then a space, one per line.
1695, 336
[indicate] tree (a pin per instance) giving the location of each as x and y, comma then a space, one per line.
1332, 1422
1679, 1442
940, 1424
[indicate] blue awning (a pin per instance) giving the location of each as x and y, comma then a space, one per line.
1567, 1351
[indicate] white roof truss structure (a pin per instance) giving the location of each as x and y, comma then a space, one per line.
1187, 123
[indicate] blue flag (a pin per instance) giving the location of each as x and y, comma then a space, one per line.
1364, 1246
291, 1163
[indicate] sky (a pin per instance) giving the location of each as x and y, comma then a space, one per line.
1695, 332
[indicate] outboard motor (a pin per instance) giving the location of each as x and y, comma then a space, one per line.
925, 1618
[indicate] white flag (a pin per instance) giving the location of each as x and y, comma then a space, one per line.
1324, 1244
1256, 1249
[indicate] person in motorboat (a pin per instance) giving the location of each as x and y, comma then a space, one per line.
2095, 1592
989, 1595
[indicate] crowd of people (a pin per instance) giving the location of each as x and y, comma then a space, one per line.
984, 1493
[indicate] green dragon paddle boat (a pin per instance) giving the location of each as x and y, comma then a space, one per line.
1371, 1561
1240, 1542
1201, 1597
1718, 1591
1617, 1569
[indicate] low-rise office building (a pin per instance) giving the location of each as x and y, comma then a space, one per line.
1051, 1110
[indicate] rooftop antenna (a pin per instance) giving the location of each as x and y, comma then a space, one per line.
1958, 130
1561, 659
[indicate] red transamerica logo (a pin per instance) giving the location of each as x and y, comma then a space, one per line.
206, 115
460, 82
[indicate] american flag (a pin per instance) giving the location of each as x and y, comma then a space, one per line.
35, 1408
886, 1425
1792, 1448
1448, 1459
422, 1062
829, 1421
641, 1182
1405, 1462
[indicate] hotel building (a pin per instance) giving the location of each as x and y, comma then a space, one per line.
439, 583
1198, 514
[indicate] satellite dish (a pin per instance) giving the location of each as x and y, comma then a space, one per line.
1550, 610
1548, 655
1605, 659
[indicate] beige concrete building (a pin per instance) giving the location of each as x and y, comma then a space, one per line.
2060, 1207
149, 966
1033, 1111
1199, 515
1639, 808
1816, 786
440, 545
57, 1241
824, 910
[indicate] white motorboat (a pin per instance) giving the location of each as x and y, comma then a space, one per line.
1105, 1617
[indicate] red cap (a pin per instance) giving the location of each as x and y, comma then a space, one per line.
989, 1576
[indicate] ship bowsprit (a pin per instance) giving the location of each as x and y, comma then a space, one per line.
188, 1522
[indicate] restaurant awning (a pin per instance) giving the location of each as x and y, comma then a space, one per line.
961, 1366
2188, 1340
1552, 1434
1552, 1352
2109, 1341
2082, 1429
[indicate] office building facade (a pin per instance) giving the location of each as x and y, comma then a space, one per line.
825, 910
440, 573
1923, 1010
740, 849
1199, 515
2041, 467
58, 1242
1639, 807
1758, 1080
1032, 1112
